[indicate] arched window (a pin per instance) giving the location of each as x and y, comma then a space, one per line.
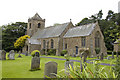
66, 46
44, 43
52, 43
97, 40
83, 41
39, 25
29, 25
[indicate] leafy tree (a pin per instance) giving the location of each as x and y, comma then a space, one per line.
20, 42
10, 33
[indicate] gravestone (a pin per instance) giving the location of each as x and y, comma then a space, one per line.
2, 55
101, 56
117, 55
11, 55
50, 69
108, 58
67, 66
35, 64
19, 54
26, 53
112, 55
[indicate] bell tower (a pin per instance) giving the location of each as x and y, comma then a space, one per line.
35, 23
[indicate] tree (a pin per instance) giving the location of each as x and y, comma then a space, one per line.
20, 42
10, 33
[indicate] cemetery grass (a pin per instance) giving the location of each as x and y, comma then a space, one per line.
20, 67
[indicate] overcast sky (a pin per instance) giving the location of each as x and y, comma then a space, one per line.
54, 11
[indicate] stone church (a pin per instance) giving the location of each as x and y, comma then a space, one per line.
63, 36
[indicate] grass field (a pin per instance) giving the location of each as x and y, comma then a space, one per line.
19, 68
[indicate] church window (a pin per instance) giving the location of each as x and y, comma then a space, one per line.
52, 43
29, 25
83, 41
66, 46
44, 42
39, 25
97, 40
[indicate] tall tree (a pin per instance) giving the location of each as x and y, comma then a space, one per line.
10, 33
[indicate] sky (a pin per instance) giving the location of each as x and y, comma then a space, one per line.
53, 11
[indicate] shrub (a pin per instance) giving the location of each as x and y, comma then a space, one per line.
97, 50
33, 52
67, 57
63, 52
52, 51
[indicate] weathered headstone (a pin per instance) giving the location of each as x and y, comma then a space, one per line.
26, 53
117, 55
35, 64
50, 69
108, 58
19, 54
67, 66
101, 56
112, 55
11, 55
2, 55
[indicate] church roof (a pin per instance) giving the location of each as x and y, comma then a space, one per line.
78, 31
33, 41
117, 41
54, 31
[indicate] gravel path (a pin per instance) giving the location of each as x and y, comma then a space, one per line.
88, 61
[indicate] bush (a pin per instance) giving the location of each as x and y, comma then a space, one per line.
110, 52
97, 50
33, 52
51, 51
63, 52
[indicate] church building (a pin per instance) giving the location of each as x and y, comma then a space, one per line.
64, 36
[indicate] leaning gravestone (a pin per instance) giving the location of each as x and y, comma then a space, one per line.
2, 55
108, 58
26, 53
35, 65
19, 56
67, 66
112, 55
101, 56
11, 55
50, 69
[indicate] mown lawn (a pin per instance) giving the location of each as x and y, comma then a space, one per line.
0, 69
19, 68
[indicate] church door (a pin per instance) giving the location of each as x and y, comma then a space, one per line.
76, 49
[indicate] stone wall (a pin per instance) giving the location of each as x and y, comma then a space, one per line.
90, 43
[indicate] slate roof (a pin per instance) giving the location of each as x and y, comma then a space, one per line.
78, 31
33, 41
54, 31
117, 41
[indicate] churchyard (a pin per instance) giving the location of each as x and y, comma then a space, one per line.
21, 67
